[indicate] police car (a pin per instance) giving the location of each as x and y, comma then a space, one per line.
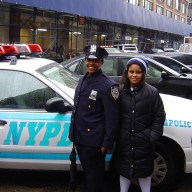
36, 101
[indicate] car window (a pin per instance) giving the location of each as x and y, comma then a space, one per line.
186, 59
108, 67
169, 63
74, 67
130, 48
22, 90
153, 70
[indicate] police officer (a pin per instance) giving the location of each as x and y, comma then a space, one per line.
94, 121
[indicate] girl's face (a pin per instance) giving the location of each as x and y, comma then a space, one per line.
135, 75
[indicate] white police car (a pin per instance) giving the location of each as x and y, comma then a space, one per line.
36, 100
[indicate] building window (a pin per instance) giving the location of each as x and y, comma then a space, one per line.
183, 8
169, 3
159, 10
177, 5
148, 5
134, 2
183, 20
169, 13
190, 6
177, 17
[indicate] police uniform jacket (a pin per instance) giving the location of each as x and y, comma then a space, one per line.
142, 119
95, 116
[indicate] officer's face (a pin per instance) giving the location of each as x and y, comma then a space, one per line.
93, 65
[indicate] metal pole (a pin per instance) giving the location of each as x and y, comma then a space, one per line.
35, 27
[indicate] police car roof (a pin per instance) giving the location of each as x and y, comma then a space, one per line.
26, 64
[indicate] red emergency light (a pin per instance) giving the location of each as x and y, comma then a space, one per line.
35, 48
2, 52
9, 49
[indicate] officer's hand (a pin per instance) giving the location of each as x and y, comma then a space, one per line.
103, 151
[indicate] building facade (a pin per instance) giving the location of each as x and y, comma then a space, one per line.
69, 25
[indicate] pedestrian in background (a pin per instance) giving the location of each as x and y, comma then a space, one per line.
95, 117
142, 119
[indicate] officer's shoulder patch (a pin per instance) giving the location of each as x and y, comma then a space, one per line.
115, 91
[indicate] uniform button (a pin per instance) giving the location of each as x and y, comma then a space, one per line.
132, 148
132, 130
133, 111
131, 165
89, 106
88, 129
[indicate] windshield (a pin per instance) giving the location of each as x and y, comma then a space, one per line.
59, 76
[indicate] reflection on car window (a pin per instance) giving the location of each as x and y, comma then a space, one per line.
153, 71
186, 59
58, 75
22, 90
169, 63
108, 67
73, 67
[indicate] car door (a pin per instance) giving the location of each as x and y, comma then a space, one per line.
30, 137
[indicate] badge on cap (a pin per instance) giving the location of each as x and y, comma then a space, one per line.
93, 48
115, 92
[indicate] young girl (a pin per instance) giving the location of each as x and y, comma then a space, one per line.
142, 119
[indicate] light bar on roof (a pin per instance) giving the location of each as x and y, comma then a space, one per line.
35, 48
19, 50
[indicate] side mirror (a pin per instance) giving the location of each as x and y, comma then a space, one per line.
57, 105
183, 70
164, 75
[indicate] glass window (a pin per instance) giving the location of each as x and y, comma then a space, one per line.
148, 5
153, 71
183, 20
177, 17
183, 8
22, 90
169, 13
76, 67
186, 59
159, 10
169, 63
108, 67
169, 3
177, 5
134, 2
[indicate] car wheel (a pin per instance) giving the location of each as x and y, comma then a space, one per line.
165, 167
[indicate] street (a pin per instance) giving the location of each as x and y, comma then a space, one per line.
51, 181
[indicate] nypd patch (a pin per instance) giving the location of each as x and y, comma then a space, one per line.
115, 92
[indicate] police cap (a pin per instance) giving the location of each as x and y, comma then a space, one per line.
94, 52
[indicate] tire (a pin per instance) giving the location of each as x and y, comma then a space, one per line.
165, 167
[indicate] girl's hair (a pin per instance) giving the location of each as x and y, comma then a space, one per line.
124, 79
